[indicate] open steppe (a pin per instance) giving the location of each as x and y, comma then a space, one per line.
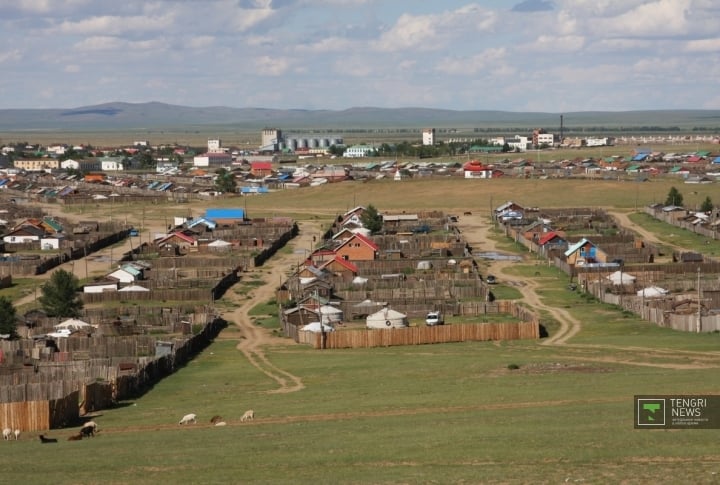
450, 413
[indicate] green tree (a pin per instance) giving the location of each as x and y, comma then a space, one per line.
372, 219
707, 205
8, 317
674, 197
59, 295
146, 160
225, 181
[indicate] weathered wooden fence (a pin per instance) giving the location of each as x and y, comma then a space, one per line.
54, 396
421, 335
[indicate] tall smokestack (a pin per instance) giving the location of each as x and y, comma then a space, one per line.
562, 137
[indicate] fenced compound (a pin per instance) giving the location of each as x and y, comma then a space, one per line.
421, 335
53, 394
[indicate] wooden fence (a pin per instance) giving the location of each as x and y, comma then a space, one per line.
40, 415
421, 335
53, 396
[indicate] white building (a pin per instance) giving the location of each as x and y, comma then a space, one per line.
271, 138
111, 164
212, 159
545, 139
214, 146
518, 142
599, 142
358, 151
428, 136
57, 150
141, 143
498, 141
70, 164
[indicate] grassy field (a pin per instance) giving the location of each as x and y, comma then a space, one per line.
489, 412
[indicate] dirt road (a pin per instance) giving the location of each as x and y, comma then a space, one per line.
476, 230
256, 339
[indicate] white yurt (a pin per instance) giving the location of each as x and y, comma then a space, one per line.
652, 292
387, 318
621, 278
315, 327
330, 314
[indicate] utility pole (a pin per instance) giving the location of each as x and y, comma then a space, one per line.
699, 323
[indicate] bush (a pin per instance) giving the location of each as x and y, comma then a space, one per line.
513, 366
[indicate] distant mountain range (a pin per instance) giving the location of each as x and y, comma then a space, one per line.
154, 115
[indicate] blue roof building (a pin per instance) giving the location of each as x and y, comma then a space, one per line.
225, 214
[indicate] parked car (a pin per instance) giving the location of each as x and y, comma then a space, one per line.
491, 280
434, 318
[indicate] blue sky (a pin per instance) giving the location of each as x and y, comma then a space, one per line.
517, 55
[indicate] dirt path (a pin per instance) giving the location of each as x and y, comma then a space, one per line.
623, 219
476, 230
256, 339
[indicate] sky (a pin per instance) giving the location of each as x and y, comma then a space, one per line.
511, 55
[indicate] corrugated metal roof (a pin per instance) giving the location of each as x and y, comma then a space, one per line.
225, 213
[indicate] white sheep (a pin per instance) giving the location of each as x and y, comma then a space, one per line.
189, 418
7, 432
248, 416
221, 423
17, 434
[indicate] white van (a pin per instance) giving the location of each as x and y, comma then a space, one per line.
434, 318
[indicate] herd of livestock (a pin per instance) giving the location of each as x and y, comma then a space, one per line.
90, 428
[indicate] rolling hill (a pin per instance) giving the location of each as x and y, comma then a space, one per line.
153, 115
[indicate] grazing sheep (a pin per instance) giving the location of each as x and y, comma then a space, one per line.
7, 432
189, 418
87, 431
215, 419
75, 437
17, 434
44, 439
91, 424
248, 416
221, 423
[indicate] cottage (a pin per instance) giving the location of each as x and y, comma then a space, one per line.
357, 248
584, 252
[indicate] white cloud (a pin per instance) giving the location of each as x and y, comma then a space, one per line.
556, 44
342, 53
271, 66
200, 41
13, 55
244, 20
127, 47
471, 65
626, 18
329, 44
114, 25
99, 43
703, 45
434, 31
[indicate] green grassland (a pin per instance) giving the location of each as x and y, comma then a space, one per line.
481, 412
